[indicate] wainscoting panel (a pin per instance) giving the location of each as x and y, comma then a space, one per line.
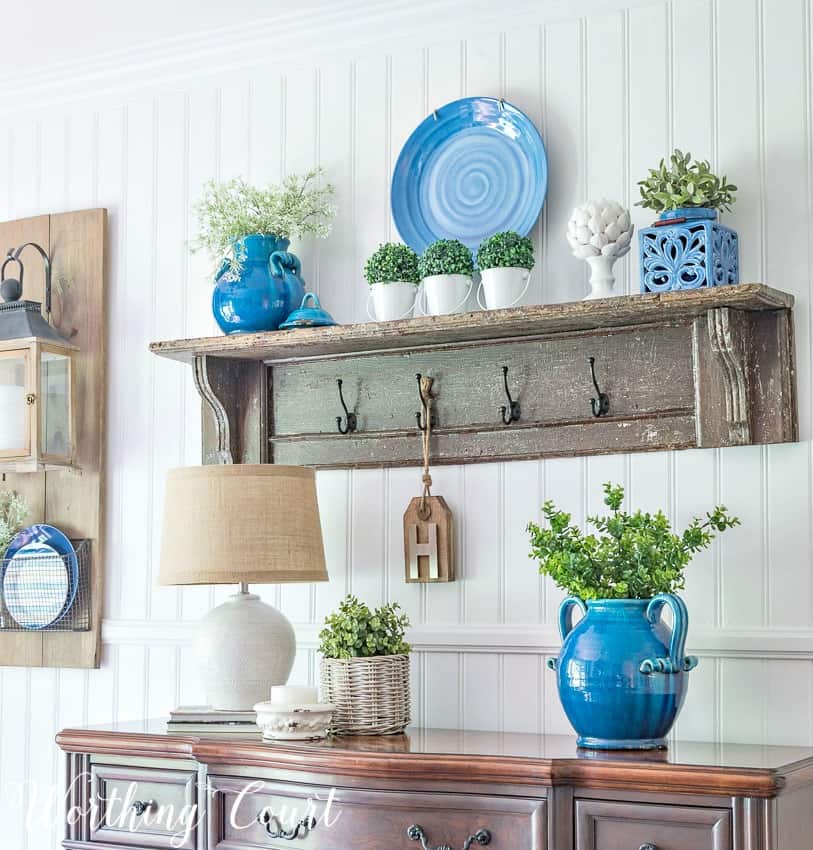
613, 86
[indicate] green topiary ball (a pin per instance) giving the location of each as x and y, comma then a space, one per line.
446, 256
505, 250
392, 262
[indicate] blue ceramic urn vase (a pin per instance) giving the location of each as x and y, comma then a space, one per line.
688, 248
622, 673
264, 293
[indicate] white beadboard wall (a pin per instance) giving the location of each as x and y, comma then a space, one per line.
613, 86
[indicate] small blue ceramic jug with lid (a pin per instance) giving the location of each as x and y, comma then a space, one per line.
622, 674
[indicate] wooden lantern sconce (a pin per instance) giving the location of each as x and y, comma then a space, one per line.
70, 498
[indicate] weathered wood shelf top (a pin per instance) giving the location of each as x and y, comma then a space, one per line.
437, 331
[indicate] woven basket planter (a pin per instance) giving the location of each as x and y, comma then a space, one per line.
371, 695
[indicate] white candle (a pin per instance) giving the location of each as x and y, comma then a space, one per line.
282, 695
12, 417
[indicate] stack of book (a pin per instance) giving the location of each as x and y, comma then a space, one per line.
204, 720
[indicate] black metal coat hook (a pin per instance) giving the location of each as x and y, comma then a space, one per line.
420, 416
350, 417
600, 405
512, 409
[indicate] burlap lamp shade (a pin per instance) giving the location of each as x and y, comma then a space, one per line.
226, 524
241, 524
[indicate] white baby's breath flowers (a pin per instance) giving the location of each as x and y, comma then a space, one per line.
227, 212
600, 228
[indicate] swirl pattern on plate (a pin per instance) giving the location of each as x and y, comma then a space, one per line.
476, 169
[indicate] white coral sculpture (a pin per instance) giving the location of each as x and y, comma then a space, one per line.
600, 228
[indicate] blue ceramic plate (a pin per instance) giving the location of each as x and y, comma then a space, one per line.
473, 168
40, 576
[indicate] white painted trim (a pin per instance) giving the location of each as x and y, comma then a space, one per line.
347, 27
790, 644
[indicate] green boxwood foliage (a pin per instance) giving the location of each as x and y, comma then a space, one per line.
446, 256
634, 556
685, 183
354, 631
505, 250
392, 261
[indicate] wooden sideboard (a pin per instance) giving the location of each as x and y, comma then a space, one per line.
135, 786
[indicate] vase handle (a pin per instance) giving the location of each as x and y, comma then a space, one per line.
678, 661
282, 261
566, 614
224, 265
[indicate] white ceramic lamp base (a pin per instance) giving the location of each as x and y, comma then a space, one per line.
244, 647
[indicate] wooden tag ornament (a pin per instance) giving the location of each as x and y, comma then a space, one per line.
429, 540
428, 524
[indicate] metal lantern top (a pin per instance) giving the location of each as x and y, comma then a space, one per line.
21, 319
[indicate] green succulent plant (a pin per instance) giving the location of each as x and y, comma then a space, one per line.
446, 256
505, 250
228, 212
684, 182
634, 556
392, 262
356, 631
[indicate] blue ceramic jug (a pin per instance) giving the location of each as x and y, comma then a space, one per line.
622, 675
265, 292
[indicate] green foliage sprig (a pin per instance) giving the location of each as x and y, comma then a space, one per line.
13, 511
446, 256
392, 262
355, 631
635, 556
685, 183
505, 250
228, 212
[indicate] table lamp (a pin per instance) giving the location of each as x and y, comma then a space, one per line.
241, 524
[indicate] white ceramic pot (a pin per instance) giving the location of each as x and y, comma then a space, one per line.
305, 722
391, 301
442, 294
503, 287
602, 279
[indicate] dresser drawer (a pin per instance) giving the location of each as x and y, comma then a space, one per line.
144, 808
604, 825
364, 820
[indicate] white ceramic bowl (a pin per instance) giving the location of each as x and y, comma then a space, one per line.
294, 722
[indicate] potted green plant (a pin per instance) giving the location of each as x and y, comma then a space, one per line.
505, 261
622, 673
445, 268
687, 247
365, 668
392, 273
246, 229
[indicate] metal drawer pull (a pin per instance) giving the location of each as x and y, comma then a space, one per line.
266, 819
141, 806
482, 837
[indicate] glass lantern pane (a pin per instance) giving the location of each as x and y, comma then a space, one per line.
55, 386
13, 407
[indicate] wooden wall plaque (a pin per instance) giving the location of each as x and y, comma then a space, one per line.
72, 500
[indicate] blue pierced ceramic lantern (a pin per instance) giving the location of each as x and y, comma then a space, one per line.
264, 293
622, 674
688, 249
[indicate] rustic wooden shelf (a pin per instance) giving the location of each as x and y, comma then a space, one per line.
702, 368
435, 331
